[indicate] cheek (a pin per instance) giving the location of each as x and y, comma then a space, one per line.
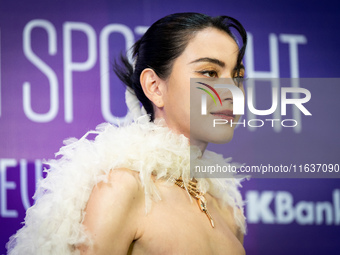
177, 100
180, 92
211, 104
195, 105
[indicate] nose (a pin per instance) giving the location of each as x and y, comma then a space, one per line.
230, 92
226, 95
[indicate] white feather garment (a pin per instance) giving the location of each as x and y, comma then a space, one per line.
53, 225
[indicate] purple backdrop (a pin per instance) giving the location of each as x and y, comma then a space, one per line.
56, 82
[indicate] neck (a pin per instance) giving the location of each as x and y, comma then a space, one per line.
201, 145
180, 131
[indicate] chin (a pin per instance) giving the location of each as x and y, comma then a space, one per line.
203, 130
221, 137
217, 135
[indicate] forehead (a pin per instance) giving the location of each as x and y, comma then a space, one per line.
212, 43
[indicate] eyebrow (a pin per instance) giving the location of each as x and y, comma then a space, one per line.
210, 60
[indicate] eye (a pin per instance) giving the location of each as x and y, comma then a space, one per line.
238, 76
238, 80
209, 73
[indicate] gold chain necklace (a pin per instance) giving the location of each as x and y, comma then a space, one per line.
198, 195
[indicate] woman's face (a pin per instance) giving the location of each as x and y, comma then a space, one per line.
211, 54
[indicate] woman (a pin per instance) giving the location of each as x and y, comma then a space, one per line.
129, 190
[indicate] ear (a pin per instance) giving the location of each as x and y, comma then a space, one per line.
153, 87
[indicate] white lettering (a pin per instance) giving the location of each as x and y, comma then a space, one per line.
336, 202
284, 207
70, 66
251, 104
294, 121
297, 102
238, 123
255, 120
23, 184
272, 120
43, 67
304, 213
6, 185
258, 206
273, 58
104, 67
293, 41
324, 207
220, 121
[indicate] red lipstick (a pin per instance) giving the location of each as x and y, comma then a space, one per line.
224, 114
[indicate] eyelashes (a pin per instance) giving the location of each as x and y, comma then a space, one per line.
239, 80
210, 73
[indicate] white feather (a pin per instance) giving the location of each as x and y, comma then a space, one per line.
53, 224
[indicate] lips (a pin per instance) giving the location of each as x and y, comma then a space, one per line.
224, 114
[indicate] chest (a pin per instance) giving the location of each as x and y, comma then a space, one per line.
176, 225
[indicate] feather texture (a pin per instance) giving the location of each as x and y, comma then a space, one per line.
53, 225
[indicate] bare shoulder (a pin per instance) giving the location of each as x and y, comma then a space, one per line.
239, 233
235, 228
113, 212
227, 213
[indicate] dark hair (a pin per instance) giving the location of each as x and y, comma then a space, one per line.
164, 41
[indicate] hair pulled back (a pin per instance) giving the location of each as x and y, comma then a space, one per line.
166, 40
